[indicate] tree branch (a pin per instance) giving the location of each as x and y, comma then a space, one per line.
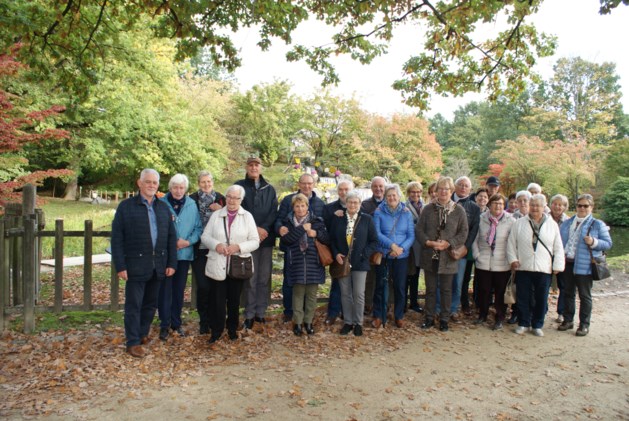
94, 29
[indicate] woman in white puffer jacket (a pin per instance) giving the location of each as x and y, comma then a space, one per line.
490, 253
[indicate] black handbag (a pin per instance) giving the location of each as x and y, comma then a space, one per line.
239, 267
600, 270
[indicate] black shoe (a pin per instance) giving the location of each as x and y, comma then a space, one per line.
213, 339
232, 335
179, 331
163, 333
566, 326
417, 308
204, 329
428, 324
498, 326
443, 326
582, 330
308, 328
479, 321
358, 330
248, 324
346, 329
260, 320
297, 330
513, 320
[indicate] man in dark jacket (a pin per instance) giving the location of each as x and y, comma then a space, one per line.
316, 206
261, 201
369, 206
144, 252
333, 210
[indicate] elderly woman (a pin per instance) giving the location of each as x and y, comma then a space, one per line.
535, 251
208, 200
230, 231
415, 204
432, 192
581, 235
396, 235
558, 206
353, 236
522, 198
304, 268
188, 225
482, 198
442, 225
490, 255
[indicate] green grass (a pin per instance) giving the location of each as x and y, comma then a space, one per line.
73, 320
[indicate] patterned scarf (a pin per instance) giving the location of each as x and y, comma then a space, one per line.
491, 235
205, 200
443, 211
349, 232
177, 204
303, 241
417, 206
573, 237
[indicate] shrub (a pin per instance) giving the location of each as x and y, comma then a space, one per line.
616, 203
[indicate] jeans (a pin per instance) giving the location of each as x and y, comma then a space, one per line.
353, 297
257, 288
170, 301
304, 302
561, 300
582, 284
396, 269
532, 287
370, 285
225, 299
457, 283
139, 308
488, 281
335, 305
203, 287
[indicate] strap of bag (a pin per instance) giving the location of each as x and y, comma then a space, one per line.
227, 237
540, 240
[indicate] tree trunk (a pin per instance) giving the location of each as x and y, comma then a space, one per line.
70, 191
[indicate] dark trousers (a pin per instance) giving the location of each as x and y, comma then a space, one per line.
396, 269
225, 300
170, 301
334, 303
465, 287
203, 288
561, 300
488, 281
412, 287
582, 284
287, 292
532, 298
139, 308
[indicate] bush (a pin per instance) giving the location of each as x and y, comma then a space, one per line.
616, 203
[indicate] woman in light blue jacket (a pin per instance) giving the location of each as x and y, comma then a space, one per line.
396, 235
579, 234
187, 221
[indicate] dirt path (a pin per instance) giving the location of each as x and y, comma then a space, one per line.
468, 373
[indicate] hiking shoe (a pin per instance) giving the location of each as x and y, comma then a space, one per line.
565, 326
443, 326
163, 333
538, 332
497, 326
582, 330
346, 329
358, 330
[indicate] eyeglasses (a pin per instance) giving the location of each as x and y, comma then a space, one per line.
232, 198
443, 189
583, 206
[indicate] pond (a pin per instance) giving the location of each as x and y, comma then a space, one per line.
620, 237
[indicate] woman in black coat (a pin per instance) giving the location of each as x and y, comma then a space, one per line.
357, 229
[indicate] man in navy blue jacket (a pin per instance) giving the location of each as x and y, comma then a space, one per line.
144, 252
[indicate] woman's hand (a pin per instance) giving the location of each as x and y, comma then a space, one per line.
182, 244
221, 249
588, 240
396, 250
232, 249
311, 233
515, 265
339, 258
307, 226
215, 207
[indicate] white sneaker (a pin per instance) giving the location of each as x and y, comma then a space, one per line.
520, 330
559, 319
538, 332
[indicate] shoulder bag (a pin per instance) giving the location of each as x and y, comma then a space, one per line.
239, 267
324, 252
600, 270
509, 297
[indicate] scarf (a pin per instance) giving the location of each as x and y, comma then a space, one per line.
349, 232
417, 206
177, 204
303, 241
491, 235
443, 211
573, 236
205, 200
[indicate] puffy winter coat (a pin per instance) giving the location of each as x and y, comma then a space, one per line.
520, 247
495, 261
243, 232
603, 242
394, 227
365, 240
188, 226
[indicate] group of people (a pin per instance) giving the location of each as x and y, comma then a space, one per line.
378, 247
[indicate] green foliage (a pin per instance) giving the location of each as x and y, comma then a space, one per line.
616, 203
616, 161
74, 320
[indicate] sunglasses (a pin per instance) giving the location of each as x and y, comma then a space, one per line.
583, 206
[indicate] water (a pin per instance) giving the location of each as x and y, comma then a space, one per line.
620, 237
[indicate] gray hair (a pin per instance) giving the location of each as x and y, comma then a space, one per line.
414, 185
539, 198
393, 186
236, 188
204, 173
378, 178
524, 193
147, 171
563, 199
346, 181
353, 194
534, 186
178, 179
587, 197
462, 178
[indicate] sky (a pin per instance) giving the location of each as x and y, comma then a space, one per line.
580, 30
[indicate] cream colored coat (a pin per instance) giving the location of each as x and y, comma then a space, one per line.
243, 232
485, 259
520, 247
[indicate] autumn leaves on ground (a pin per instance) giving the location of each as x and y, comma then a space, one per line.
468, 373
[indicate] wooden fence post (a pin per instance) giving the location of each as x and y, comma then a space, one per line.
4, 279
29, 260
5, 272
40, 220
58, 265
87, 265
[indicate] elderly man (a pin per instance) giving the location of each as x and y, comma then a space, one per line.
493, 185
333, 210
317, 206
144, 252
369, 206
261, 201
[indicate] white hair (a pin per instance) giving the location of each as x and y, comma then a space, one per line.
539, 198
350, 183
462, 178
563, 199
354, 194
147, 171
236, 188
204, 173
378, 178
395, 187
535, 187
524, 193
179, 179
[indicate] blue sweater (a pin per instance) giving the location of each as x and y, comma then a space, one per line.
404, 233
188, 226
599, 230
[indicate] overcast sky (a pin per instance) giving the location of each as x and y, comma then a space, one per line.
581, 31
